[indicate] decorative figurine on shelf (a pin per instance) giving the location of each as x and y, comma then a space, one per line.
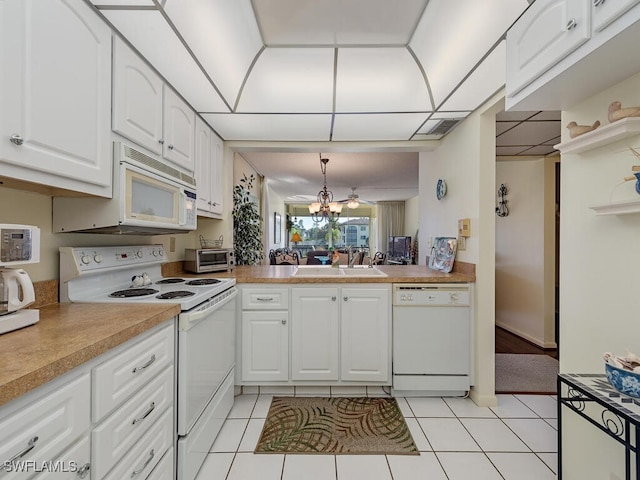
576, 130
616, 112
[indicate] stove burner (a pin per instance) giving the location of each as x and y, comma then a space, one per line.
133, 292
203, 281
175, 294
170, 280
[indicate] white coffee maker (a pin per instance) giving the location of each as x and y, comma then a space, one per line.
19, 244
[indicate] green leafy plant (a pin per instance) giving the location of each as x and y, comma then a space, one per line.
247, 224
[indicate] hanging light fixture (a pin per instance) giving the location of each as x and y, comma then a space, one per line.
325, 208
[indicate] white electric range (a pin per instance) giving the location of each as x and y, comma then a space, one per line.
205, 353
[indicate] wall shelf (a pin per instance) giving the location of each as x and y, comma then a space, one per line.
603, 135
617, 208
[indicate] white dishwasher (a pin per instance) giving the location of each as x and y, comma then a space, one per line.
432, 351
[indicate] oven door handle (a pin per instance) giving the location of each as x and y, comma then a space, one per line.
187, 320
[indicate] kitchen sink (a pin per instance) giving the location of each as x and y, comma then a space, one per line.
328, 271
363, 272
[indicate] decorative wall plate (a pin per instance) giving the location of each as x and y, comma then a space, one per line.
441, 189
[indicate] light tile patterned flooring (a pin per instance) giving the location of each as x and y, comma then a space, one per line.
457, 440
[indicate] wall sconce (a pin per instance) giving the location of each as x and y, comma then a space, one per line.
502, 210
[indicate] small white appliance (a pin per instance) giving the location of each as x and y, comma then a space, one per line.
149, 198
205, 353
19, 244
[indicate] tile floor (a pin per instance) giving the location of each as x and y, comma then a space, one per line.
457, 440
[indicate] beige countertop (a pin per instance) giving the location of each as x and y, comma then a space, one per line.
67, 336
395, 274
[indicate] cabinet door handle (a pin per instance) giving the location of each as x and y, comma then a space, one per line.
333, 298
265, 299
571, 24
170, 147
137, 472
83, 471
345, 298
16, 139
161, 141
146, 365
284, 322
30, 446
597, 3
145, 414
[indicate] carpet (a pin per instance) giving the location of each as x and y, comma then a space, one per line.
526, 373
335, 425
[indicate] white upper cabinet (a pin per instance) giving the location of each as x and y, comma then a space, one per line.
179, 131
561, 52
137, 99
604, 13
546, 33
55, 90
209, 170
148, 112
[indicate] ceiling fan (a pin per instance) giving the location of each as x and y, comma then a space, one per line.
354, 200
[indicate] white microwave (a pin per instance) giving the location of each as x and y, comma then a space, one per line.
149, 197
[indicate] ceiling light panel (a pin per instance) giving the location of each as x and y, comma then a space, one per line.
337, 22
290, 80
223, 35
123, 3
452, 37
151, 35
386, 126
270, 127
529, 133
485, 80
379, 80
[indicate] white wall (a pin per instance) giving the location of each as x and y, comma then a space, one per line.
599, 265
412, 216
522, 256
466, 161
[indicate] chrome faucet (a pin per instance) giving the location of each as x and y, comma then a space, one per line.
350, 257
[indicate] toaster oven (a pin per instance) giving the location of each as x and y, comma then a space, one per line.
204, 260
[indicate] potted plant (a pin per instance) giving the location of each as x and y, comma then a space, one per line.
247, 224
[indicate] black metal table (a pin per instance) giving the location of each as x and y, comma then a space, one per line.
615, 414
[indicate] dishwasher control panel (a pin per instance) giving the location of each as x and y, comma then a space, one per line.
414, 294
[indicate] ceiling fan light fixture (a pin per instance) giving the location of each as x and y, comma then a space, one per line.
353, 203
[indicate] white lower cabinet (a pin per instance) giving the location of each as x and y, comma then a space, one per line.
49, 433
329, 335
366, 334
315, 334
42, 429
74, 464
265, 345
164, 469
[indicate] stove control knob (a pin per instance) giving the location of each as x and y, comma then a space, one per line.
139, 254
97, 258
160, 252
85, 259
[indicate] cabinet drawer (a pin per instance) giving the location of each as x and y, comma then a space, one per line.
118, 378
164, 469
145, 455
44, 428
114, 437
74, 464
265, 298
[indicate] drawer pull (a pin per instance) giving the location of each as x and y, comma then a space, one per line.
265, 299
148, 364
83, 471
571, 24
30, 446
145, 414
137, 472
597, 3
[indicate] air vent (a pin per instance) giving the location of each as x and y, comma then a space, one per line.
444, 126
150, 162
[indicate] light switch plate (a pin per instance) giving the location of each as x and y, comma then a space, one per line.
462, 243
464, 227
